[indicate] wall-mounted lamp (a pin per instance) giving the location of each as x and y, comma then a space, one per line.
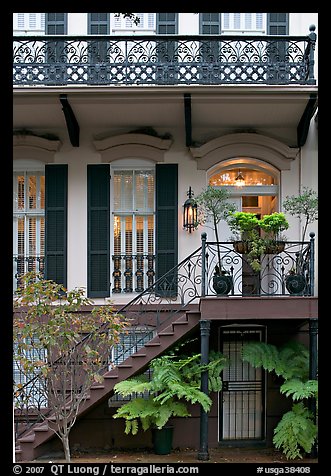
190, 212
240, 180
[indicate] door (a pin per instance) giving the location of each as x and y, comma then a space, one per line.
242, 400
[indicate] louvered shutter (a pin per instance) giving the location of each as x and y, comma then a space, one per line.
98, 239
277, 24
56, 192
166, 226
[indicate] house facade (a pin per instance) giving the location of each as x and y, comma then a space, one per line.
115, 124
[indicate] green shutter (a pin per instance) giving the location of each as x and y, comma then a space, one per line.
98, 238
56, 191
277, 24
166, 226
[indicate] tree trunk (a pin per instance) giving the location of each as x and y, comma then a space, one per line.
66, 447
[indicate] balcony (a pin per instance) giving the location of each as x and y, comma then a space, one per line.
163, 60
193, 278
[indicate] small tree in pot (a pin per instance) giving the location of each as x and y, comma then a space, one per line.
303, 206
213, 207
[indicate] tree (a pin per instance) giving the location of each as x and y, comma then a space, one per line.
303, 205
214, 206
59, 351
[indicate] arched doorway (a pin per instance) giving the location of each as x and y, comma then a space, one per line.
254, 187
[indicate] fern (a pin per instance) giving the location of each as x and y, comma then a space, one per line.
260, 354
296, 432
290, 361
175, 382
134, 385
299, 390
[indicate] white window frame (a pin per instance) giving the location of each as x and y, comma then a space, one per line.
236, 24
125, 26
38, 213
133, 214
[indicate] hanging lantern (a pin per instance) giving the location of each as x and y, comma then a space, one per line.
190, 212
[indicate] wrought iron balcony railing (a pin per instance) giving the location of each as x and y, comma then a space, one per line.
193, 277
163, 60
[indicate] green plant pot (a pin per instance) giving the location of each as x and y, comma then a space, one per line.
222, 284
295, 284
162, 440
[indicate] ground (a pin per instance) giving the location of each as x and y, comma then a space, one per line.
219, 455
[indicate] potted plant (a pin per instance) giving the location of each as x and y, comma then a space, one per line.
305, 207
273, 225
214, 206
175, 381
246, 227
246, 237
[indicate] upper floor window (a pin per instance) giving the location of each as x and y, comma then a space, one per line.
28, 23
244, 23
121, 24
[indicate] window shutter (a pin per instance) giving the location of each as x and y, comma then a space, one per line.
56, 192
277, 24
166, 226
98, 238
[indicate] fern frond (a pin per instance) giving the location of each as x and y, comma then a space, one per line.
295, 432
133, 385
293, 361
260, 354
300, 390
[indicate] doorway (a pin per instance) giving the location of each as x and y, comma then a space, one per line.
242, 399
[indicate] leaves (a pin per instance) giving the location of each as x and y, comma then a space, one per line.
299, 390
295, 432
175, 382
59, 350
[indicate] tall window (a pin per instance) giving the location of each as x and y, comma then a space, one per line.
29, 223
133, 222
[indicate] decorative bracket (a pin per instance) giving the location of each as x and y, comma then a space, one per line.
72, 124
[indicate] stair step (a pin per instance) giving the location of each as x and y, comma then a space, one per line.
44, 427
27, 439
138, 355
152, 344
124, 366
111, 376
166, 333
180, 323
97, 387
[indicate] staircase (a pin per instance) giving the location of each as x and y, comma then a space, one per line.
30, 445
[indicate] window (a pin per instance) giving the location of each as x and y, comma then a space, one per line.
28, 23
123, 25
244, 23
133, 228
32, 387
29, 223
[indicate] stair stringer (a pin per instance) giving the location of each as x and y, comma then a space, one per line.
29, 446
